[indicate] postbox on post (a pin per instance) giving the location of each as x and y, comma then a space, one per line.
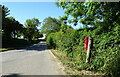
86, 43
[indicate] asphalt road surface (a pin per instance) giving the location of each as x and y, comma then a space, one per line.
32, 60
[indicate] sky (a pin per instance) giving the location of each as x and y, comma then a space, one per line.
28, 10
22, 11
28, 0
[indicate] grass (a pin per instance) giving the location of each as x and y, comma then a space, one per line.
5, 49
62, 58
68, 62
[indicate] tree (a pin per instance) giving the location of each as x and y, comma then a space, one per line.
14, 27
5, 11
10, 26
50, 25
31, 31
93, 13
63, 19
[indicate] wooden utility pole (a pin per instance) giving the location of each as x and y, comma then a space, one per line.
89, 50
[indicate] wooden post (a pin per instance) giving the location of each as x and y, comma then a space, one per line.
89, 50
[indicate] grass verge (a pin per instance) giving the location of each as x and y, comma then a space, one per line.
67, 63
5, 49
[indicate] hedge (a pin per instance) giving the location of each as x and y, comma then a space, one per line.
105, 54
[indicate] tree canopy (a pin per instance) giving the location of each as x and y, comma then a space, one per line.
92, 13
50, 25
10, 25
31, 31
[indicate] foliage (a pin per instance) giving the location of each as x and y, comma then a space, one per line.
50, 25
92, 13
65, 27
63, 19
103, 18
31, 31
5, 11
105, 54
50, 40
10, 26
12, 29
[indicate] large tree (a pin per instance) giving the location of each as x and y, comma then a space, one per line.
10, 26
50, 25
102, 14
31, 31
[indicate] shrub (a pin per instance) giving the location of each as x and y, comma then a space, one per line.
105, 53
50, 40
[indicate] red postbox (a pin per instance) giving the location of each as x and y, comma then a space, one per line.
86, 43
86, 40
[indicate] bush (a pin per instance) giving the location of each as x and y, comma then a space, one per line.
50, 40
105, 53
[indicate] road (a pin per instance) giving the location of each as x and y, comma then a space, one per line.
32, 60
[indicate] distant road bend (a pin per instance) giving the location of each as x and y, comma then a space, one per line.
32, 60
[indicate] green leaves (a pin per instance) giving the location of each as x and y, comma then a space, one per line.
50, 25
32, 23
103, 17
31, 31
92, 12
5, 11
105, 53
